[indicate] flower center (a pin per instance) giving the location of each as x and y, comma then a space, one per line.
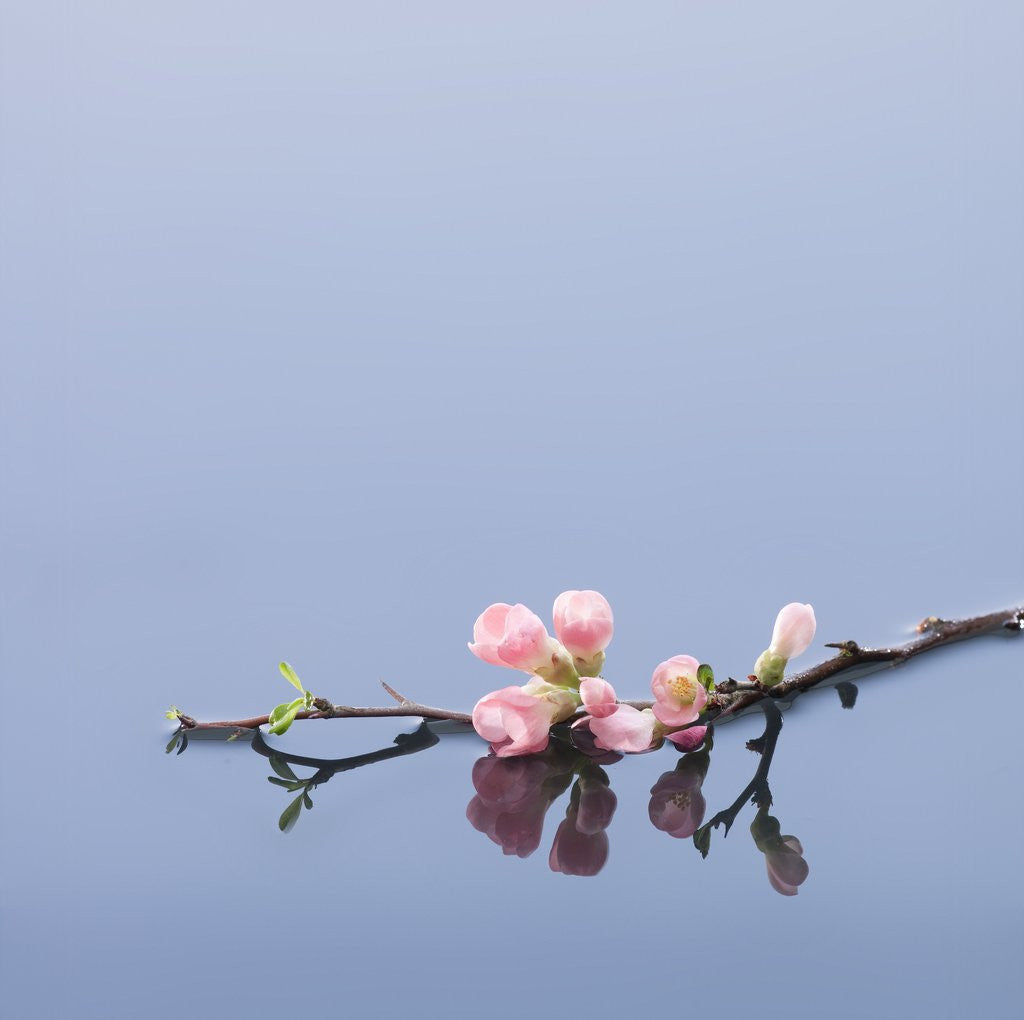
684, 688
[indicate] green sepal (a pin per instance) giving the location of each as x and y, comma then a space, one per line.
706, 677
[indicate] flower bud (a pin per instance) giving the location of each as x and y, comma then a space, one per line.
791, 636
584, 624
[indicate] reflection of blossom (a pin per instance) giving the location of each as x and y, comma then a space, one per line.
783, 855
513, 796
677, 805
580, 846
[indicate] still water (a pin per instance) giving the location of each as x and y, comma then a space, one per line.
325, 328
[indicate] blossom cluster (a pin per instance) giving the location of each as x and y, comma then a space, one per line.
565, 678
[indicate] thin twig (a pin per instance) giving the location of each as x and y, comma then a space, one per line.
730, 698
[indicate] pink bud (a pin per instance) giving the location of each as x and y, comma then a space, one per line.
583, 623
513, 636
794, 630
678, 695
598, 697
689, 739
627, 729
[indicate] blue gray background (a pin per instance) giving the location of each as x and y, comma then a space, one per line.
325, 325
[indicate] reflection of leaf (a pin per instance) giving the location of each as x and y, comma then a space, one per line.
308, 801
281, 767
702, 840
291, 676
290, 815
291, 787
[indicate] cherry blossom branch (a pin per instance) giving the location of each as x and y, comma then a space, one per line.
730, 696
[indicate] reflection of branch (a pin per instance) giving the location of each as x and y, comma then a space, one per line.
405, 743
757, 789
730, 697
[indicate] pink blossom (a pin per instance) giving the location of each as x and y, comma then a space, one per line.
598, 697
584, 624
627, 729
793, 631
513, 636
677, 805
678, 695
516, 720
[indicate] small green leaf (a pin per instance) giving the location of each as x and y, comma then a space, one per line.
173, 743
706, 677
280, 766
173, 713
291, 676
308, 801
309, 700
283, 715
290, 815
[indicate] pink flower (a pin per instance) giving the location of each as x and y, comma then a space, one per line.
516, 720
598, 697
793, 631
584, 624
627, 729
677, 805
505, 635
678, 695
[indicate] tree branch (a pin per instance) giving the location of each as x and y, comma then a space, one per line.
729, 698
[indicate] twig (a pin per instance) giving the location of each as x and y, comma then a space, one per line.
731, 697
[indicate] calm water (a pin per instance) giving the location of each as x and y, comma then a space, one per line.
326, 327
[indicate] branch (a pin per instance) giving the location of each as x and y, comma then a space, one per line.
730, 697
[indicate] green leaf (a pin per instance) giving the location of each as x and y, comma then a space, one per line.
173, 713
309, 700
291, 676
308, 801
706, 677
173, 743
283, 715
280, 766
282, 724
290, 815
